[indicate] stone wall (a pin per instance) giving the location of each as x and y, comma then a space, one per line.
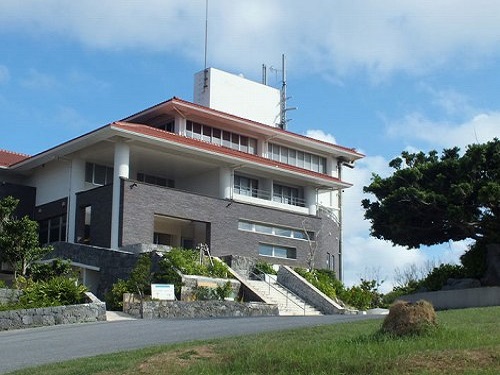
192, 282
199, 309
49, 316
9, 295
458, 299
309, 293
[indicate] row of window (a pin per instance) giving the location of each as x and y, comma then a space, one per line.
52, 230
281, 193
277, 251
155, 180
98, 174
221, 137
274, 230
296, 158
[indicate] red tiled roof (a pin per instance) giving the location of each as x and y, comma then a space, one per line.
162, 134
199, 107
8, 158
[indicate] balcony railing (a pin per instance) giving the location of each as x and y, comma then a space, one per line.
267, 195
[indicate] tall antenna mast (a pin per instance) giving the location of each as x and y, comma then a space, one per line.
283, 94
205, 77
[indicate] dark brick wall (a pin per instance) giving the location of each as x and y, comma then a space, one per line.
141, 202
25, 194
113, 265
52, 209
100, 199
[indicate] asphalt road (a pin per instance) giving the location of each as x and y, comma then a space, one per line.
35, 346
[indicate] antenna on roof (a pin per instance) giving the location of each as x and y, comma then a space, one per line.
283, 107
205, 77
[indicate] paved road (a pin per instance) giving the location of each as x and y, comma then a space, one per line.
35, 346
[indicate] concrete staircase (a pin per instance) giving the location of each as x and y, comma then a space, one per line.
288, 303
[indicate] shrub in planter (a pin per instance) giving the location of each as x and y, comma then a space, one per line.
407, 318
57, 291
264, 268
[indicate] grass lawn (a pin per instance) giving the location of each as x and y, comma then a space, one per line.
466, 342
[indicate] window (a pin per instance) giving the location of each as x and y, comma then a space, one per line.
52, 230
277, 251
98, 174
296, 158
246, 186
274, 230
155, 180
162, 239
219, 137
287, 195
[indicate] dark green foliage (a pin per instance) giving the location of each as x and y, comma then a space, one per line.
19, 245
474, 260
46, 271
411, 287
114, 297
264, 268
324, 280
437, 278
3, 285
57, 291
430, 200
142, 275
204, 293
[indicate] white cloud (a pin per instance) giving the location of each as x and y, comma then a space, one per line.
332, 37
4, 74
321, 135
416, 127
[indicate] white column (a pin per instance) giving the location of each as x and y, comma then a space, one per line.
180, 125
225, 183
121, 170
310, 198
330, 167
77, 184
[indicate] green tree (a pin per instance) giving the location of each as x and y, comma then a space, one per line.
431, 199
19, 244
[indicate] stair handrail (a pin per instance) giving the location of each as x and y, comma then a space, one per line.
262, 278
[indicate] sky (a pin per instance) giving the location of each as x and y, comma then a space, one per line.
381, 76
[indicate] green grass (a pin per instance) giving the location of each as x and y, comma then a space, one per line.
466, 342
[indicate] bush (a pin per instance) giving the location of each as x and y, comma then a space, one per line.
264, 268
324, 280
114, 297
474, 261
58, 291
409, 319
438, 277
3, 285
46, 271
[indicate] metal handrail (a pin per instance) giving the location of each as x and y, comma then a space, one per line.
262, 278
267, 195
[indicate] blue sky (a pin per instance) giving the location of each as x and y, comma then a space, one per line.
381, 76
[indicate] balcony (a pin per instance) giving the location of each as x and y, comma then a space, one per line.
269, 199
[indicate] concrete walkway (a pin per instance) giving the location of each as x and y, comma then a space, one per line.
114, 316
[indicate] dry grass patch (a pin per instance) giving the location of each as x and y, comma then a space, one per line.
452, 362
407, 318
173, 362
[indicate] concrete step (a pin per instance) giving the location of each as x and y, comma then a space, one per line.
288, 303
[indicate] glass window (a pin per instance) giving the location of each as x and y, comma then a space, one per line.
323, 165
207, 133
235, 141
277, 251
315, 163
244, 144
307, 161
226, 139
216, 136
99, 175
283, 232
266, 250
292, 157
89, 172
252, 146
189, 129
245, 225
196, 131
276, 152
263, 229
300, 159
43, 231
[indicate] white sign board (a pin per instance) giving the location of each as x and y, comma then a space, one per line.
163, 292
